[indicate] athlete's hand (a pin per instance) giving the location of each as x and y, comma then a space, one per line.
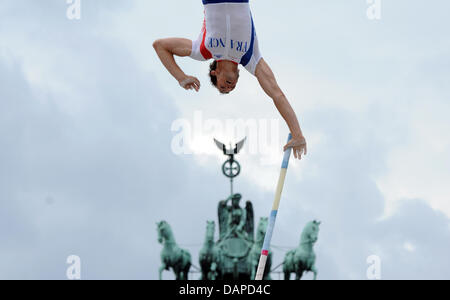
190, 83
298, 145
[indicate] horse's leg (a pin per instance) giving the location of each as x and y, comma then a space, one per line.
298, 275
176, 272
179, 274
287, 275
203, 272
187, 265
252, 268
186, 272
314, 270
212, 274
161, 269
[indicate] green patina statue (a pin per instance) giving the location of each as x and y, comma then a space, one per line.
303, 258
172, 256
236, 235
227, 257
255, 253
235, 221
213, 260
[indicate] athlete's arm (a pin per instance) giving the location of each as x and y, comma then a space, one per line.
269, 84
166, 49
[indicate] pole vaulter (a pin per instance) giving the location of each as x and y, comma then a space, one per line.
228, 37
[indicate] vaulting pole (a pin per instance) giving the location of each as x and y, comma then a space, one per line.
273, 214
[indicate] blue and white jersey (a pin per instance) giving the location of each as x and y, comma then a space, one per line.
228, 33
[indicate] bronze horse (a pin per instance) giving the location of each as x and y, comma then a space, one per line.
303, 258
172, 256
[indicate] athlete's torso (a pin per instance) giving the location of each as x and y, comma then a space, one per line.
228, 34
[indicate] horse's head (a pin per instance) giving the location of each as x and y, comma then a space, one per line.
262, 228
310, 233
210, 230
164, 231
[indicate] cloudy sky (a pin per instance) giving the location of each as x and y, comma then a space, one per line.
86, 159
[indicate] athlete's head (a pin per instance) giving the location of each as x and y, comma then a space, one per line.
224, 75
